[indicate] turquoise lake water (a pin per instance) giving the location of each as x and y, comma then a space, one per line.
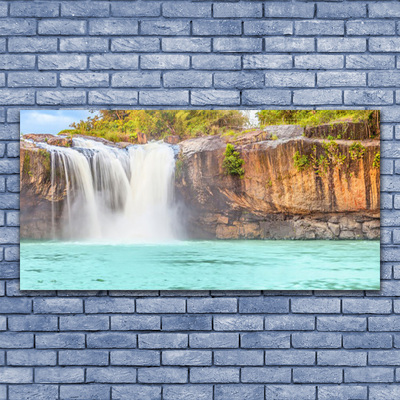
186, 265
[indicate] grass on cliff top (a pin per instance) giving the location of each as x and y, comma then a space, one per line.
306, 118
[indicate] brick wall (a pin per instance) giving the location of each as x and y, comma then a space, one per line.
199, 345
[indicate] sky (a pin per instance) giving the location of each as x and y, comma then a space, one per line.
49, 121
54, 121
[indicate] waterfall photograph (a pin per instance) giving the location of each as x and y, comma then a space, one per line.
200, 199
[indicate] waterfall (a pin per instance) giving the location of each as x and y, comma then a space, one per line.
115, 194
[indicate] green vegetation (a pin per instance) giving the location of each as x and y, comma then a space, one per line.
356, 151
377, 160
124, 125
331, 157
232, 163
26, 166
179, 166
313, 118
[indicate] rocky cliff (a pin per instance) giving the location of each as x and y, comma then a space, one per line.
278, 198
313, 184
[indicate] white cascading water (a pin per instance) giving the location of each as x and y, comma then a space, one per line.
114, 194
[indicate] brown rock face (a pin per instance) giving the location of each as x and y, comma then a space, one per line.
141, 138
274, 199
172, 139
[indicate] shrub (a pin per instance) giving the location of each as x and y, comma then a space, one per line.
377, 160
301, 161
356, 151
232, 163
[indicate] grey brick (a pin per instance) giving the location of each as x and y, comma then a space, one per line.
315, 27
115, 305
341, 323
215, 62
98, 392
261, 340
214, 340
266, 375
110, 340
218, 97
57, 306
113, 61
238, 10
268, 27
84, 323
164, 61
214, 375
193, 45
136, 9
235, 392
345, 10
181, 9
373, 28
387, 323
61, 27
342, 358
212, 305
87, 45
370, 61
289, 79
289, 323
243, 323
135, 357
155, 98
37, 392
344, 392
113, 27
32, 45
384, 357
32, 79
267, 62
341, 45
59, 375
317, 375
290, 357
276, 97
165, 28
238, 357
186, 357
179, 392
34, 9
290, 392
16, 340
264, 305
65, 97
108, 96
135, 44
31, 357
187, 323
367, 374
83, 357
367, 341
110, 375
288, 44
17, 61
32, 323
15, 305
288, 10
216, 27
384, 10
136, 392
163, 340
16, 375
187, 79
384, 78
60, 340
386, 44
368, 97
326, 306
342, 78
135, 322
162, 375
83, 79
85, 9
316, 340
319, 61
316, 97
367, 306
62, 61
19, 26
237, 45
